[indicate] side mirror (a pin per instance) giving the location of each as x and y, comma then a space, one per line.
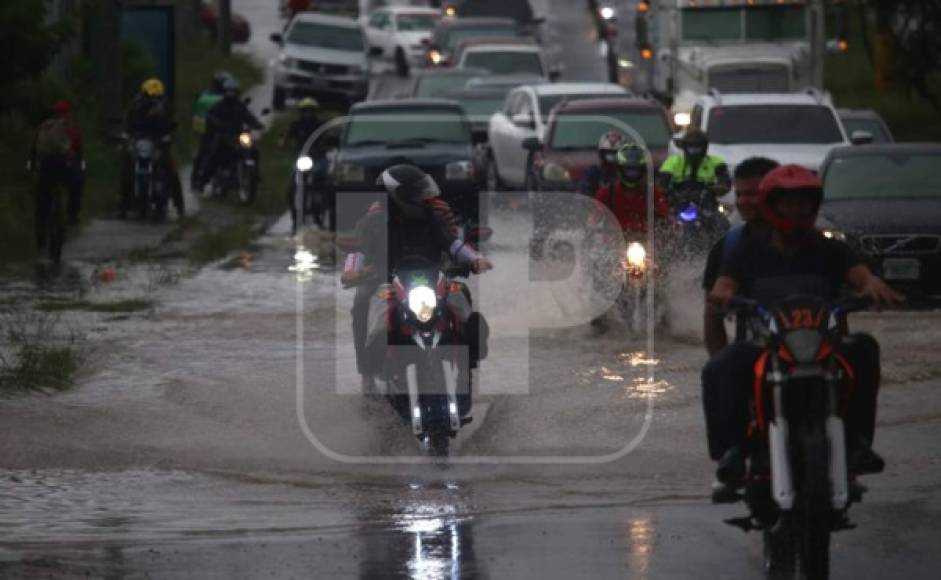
277, 38
265, 112
426, 41
532, 144
524, 120
375, 51
860, 137
554, 73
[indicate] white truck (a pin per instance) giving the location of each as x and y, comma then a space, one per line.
682, 49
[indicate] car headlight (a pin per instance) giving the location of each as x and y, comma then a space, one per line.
450, 11
246, 140
607, 13
422, 302
287, 61
435, 56
636, 256
834, 235
681, 119
304, 164
554, 173
459, 171
351, 173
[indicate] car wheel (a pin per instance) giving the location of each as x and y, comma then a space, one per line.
278, 99
401, 64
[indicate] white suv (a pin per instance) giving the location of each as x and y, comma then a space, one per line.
523, 115
798, 128
322, 56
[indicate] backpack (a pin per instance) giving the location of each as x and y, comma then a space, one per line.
52, 138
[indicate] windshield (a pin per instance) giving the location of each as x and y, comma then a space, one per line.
325, 36
437, 86
459, 36
504, 63
871, 126
547, 102
412, 125
806, 124
749, 23
582, 130
479, 109
884, 175
416, 22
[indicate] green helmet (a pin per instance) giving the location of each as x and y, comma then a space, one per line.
632, 165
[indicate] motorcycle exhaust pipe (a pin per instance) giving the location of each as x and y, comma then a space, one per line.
839, 480
782, 482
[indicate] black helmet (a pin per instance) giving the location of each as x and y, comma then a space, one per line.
632, 165
694, 142
407, 184
218, 81
231, 88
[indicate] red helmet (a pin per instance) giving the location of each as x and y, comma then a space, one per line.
789, 180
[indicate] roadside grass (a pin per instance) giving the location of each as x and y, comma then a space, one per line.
36, 353
850, 79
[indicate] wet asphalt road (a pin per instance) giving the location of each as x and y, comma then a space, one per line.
181, 455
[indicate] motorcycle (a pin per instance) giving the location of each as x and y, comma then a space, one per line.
426, 372
633, 298
237, 168
151, 184
797, 486
310, 194
702, 219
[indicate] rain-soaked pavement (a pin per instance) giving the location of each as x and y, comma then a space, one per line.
182, 451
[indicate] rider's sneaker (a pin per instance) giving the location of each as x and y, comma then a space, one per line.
722, 493
866, 461
731, 468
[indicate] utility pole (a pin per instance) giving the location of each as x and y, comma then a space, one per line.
225, 26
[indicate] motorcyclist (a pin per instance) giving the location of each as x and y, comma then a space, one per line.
605, 172
694, 167
790, 257
626, 198
304, 125
225, 120
748, 175
414, 222
206, 101
149, 116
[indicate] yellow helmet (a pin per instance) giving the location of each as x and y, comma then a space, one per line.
308, 103
153, 88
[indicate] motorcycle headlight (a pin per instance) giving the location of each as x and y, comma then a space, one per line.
636, 255
689, 214
681, 119
246, 140
459, 171
803, 344
435, 56
422, 302
351, 173
304, 164
834, 235
607, 13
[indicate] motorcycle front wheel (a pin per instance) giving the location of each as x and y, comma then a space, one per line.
816, 514
247, 183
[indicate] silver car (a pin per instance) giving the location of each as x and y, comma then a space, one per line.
321, 56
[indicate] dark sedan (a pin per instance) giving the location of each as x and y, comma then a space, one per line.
886, 201
432, 133
450, 34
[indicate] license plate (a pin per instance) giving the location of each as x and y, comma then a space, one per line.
901, 269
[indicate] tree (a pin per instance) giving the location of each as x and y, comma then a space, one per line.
908, 46
25, 34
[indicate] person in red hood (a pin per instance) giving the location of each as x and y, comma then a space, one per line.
75, 160
626, 197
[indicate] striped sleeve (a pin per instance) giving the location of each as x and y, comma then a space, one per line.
447, 215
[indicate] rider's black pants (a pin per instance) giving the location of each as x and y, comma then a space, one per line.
53, 175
